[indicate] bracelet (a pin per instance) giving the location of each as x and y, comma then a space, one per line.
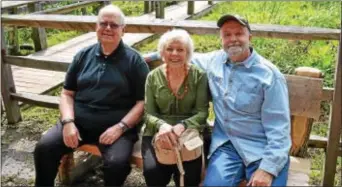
184, 124
123, 126
124, 123
68, 120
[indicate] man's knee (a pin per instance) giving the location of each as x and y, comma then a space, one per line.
42, 148
115, 162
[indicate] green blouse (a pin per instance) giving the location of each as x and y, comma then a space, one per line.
161, 106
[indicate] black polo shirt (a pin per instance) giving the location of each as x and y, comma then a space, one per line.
106, 87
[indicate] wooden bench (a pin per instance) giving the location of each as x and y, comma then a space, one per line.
306, 93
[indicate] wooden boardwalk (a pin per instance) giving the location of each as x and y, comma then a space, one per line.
5, 4
36, 81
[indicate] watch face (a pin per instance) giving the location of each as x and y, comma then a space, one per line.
123, 127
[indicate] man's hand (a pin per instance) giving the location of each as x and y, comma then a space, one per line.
71, 135
178, 129
111, 135
260, 178
166, 137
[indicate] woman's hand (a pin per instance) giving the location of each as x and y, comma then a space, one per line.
166, 136
178, 129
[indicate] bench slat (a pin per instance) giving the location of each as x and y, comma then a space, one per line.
40, 100
305, 97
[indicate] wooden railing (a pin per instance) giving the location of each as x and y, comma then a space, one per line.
38, 34
35, 7
299, 87
134, 25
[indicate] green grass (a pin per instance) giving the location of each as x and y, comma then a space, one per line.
131, 8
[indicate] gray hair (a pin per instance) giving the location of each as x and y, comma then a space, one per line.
177, 35
111, 10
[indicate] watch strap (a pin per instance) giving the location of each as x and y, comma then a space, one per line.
123, 126
67, 120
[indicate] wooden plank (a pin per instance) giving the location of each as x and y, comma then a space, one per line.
328, 94
136, 25
37, 63
334, 125
39, 100
7, 86
305, 95
301, 125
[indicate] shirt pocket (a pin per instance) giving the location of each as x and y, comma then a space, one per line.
249, 99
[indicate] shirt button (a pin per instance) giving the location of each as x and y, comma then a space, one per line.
226, 120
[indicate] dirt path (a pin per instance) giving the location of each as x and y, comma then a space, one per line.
17, 168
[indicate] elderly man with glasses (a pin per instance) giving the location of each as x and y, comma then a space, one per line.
102, 101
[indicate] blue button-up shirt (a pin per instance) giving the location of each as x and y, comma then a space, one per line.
251, 106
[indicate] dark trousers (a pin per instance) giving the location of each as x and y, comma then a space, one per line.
116, 157
157, 174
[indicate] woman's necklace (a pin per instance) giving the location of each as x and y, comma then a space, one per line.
178, 96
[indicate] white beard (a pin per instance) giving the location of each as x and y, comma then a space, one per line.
236, 50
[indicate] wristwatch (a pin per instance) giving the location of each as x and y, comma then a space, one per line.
68, 120
123, 126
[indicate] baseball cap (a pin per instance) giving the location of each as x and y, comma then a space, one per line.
237, 18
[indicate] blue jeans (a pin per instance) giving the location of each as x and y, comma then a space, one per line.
226, 168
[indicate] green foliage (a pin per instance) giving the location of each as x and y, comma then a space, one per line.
55, 36
130, 8
40, 119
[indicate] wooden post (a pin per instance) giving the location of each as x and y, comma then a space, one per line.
147, 7
334, 125
160, 12
153, 6
104, 3
7, 86
13, 38
38, 34
191, 7
301, 126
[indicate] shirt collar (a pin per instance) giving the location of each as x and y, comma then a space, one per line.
113, 54
247, 63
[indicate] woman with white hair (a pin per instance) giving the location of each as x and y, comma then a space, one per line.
176, 99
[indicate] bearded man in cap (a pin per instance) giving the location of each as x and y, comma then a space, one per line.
251, 136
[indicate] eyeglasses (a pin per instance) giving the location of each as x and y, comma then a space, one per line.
111, 25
